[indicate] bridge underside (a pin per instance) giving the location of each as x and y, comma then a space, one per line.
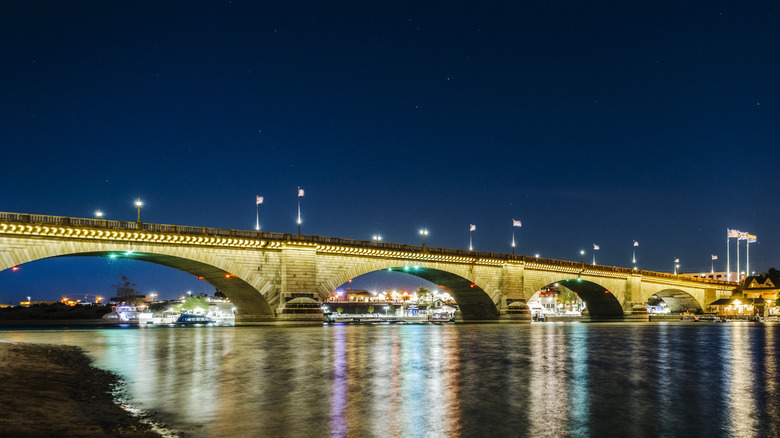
679, 301
600, 302
250, 304
474, 303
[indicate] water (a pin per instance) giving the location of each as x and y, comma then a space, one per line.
539, 380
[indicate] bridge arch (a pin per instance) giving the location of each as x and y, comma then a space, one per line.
600, 301
677, 300
251, 304
477, 297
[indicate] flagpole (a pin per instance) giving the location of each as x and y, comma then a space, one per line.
471, 247
513, 239
299, 210
257, 220
739, 278
728, 256
747, 256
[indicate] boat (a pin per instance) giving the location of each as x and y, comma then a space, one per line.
125, 314
191, 319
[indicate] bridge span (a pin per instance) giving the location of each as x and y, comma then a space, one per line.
277, 277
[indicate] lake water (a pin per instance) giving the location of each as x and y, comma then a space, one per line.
539, 380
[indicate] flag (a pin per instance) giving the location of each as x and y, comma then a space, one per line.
752, 239
472, 228
516, 223
714, 257
636, 243
677, 260
596, 247
259, 200
732, 234
742, 236
300, 192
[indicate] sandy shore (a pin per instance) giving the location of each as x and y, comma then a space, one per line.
53, 390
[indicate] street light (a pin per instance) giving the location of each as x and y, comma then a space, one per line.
423, 233
377, 237
98, 214
138, 205
582, 257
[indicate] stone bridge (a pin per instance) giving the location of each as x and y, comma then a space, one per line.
275, 277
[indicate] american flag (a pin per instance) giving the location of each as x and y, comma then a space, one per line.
636, 243
300, 192
714, 257
259, 200
732, 234
516, 223
596, 247
677, 260
472, 227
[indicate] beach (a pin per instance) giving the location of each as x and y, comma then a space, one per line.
54, 390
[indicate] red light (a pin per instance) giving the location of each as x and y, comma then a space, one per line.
473, 285
199, 277
15, 268
606, 291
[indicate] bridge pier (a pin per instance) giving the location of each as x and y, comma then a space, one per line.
514, 310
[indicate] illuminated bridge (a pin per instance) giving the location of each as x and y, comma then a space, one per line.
276, 277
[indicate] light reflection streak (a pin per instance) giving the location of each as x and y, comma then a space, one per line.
339, 388
579, 395
548, 384
741, 408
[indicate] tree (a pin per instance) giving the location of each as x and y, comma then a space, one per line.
567, 296
424, 295
192, 303
370, 309
340, 310
126, 292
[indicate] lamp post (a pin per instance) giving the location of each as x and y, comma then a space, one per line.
98, 214
138, 205
582, 257
377, 237
423, 233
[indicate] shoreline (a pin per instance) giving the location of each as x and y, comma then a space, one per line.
55, 390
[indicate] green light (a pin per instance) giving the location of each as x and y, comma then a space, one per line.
406, 268
128, 252
389, 269
112, 256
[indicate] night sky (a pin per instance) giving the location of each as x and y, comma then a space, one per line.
591, 122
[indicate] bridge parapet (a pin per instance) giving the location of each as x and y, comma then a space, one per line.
250, 238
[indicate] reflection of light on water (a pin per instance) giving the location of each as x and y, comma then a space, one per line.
741, 408
548, 386
770, 373
579, 395
339, 390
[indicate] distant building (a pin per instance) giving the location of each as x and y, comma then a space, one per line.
719, 276
761, 286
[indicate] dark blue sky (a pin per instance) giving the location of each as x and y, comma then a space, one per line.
592, 122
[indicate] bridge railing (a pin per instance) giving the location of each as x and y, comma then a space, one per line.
40, 219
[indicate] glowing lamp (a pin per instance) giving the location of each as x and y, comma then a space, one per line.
15, 268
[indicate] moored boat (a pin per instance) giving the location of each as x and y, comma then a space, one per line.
124, 314
190, 319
